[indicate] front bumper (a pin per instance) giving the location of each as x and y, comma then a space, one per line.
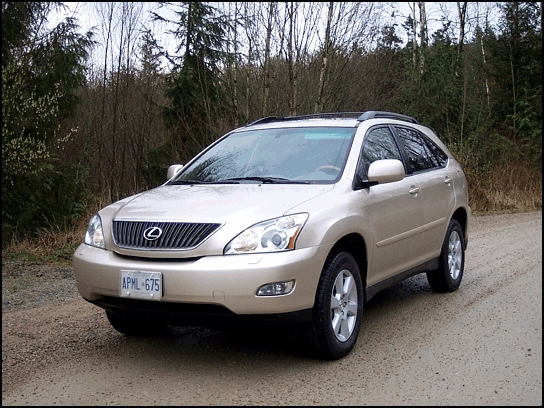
229, 281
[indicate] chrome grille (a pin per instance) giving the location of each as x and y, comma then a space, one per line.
175, 235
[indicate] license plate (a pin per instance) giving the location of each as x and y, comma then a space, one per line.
141, 285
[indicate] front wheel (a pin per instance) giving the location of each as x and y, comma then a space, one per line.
451, 263
338, 308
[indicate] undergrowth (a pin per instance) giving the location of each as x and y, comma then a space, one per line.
509, 189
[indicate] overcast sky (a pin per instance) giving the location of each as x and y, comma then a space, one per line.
87, 15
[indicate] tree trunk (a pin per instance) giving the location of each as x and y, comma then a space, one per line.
291, 77
324, 60
102, 184
462, 10
423, 36
233, 66
414, 36
266, 92
487, 92
250, 34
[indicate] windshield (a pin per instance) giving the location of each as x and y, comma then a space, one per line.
273, 155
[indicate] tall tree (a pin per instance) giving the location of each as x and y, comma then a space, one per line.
42, 69
422, 35
195, 85
517, 60
462, 11
267, 57
324, 59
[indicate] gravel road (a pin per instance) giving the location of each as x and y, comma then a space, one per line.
481, 345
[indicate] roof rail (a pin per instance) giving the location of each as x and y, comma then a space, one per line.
361, 117
389, 115
269, 119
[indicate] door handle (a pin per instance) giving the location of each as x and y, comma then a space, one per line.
414, 190
447, 180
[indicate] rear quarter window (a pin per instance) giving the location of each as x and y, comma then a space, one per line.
421, 152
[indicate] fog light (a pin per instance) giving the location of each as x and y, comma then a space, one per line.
276, 288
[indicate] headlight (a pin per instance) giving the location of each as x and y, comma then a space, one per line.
274, 235
94, 235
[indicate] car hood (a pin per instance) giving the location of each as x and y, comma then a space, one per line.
236, 207
217, 203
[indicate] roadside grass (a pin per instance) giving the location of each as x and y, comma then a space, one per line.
47, 247
31, 252
510, 189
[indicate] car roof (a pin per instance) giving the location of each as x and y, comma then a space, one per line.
360, 116
340, 119
311, 122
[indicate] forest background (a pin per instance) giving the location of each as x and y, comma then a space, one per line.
90, 117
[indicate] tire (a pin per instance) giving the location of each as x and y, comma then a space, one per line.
447, 277
132, 327
338, 308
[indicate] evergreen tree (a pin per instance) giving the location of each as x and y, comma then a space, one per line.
195, 84
41, 71
516, 56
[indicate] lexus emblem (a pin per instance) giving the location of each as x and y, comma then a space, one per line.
153, 233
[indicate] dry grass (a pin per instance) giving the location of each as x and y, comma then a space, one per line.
514, 188
50, 246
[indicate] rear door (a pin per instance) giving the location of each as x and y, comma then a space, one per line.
429, 168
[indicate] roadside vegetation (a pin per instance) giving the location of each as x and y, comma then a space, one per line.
91, 117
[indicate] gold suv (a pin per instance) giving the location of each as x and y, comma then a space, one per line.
298, 219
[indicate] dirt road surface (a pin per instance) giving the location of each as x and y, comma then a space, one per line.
481, 345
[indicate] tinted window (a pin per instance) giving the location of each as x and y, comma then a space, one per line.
418, 154
379, 144
441, 157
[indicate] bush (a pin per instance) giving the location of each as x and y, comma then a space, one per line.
51, 198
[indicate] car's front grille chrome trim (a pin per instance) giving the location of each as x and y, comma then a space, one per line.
173, 235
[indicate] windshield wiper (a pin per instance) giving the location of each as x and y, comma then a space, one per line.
183, 182
269, 180
236, 180
191, 182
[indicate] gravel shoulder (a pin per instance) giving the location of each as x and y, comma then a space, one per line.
27, 286
481, 345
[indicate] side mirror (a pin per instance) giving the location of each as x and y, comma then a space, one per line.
173, 170
385, 171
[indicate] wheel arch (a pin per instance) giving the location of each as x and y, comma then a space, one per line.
461, 216
355, 245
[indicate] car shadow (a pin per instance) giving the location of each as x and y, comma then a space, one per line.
255, 339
